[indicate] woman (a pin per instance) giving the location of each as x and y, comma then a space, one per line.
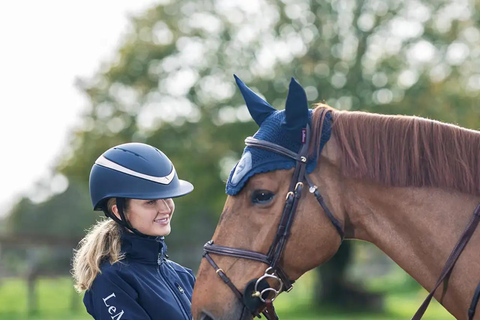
122, 262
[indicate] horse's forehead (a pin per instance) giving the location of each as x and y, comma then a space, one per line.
255, 160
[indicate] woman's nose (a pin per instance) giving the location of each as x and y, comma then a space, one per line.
162, 206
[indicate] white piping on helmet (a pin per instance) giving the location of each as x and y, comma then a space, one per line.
104, 162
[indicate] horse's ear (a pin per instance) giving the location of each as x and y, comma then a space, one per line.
296, 107
259, 109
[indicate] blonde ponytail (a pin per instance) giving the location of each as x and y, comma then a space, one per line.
102, 243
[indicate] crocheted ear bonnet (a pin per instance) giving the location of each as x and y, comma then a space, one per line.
284, 128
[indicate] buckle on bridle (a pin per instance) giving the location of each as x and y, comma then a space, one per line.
299, 186
289, 289
289, 194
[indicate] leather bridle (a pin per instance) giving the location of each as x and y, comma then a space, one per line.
258, 294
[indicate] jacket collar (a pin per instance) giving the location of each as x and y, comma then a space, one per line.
144, 250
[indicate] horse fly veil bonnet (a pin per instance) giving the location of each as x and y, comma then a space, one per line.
285, 128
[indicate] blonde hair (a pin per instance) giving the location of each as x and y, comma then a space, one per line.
102, 243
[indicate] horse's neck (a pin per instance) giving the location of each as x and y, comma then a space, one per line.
418, 229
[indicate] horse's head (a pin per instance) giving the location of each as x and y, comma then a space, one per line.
272, 217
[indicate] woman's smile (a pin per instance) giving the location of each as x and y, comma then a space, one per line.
163, 221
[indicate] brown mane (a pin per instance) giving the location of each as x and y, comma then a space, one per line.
405, 151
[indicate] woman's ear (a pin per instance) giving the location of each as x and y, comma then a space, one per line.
115, 211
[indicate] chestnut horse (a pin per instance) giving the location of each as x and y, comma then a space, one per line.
406, 184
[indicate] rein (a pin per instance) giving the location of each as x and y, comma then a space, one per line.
447, 269
258, 293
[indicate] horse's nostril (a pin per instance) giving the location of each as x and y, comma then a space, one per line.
205, 317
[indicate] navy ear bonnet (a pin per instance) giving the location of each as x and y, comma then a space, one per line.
280, 127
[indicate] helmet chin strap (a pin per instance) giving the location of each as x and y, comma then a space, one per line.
123, 221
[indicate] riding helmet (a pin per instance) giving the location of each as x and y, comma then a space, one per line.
134, 171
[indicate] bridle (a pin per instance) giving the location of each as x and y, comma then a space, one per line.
258, 294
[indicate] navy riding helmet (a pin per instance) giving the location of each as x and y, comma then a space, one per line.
134, 171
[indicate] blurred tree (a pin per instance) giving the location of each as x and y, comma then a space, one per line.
171, 83
63, 216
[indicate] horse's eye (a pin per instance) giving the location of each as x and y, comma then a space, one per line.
262, 196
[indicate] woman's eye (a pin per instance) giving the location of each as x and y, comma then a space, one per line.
262, 196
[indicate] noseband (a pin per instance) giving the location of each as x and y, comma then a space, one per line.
258, 293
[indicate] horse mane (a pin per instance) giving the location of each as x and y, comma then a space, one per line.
404, 151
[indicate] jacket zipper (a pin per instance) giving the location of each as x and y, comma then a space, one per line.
172, 288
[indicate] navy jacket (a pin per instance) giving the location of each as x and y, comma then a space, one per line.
145, 285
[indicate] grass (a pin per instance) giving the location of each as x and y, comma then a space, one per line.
58, 301
399, 304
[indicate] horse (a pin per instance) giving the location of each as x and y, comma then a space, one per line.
310, 178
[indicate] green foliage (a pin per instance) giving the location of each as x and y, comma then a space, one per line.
171, 83
58, 217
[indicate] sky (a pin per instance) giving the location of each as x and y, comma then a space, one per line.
47, 45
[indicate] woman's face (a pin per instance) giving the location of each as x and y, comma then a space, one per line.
150, 217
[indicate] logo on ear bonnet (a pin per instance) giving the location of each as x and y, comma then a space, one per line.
243, 166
